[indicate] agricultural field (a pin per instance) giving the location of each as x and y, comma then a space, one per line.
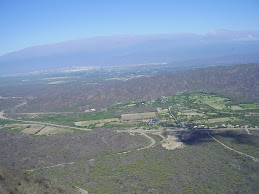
235, 107
14, 127
222, 120
33, 129
138, 116
50, 130
213, 101
250, 106
36, 129
98, 123
194, 110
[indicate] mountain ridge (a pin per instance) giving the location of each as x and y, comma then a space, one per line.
131, 49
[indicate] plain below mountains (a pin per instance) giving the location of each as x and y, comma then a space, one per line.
237, 81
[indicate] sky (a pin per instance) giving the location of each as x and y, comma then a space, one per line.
25, 23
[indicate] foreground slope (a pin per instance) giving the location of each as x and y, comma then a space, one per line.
14, 181
134, 159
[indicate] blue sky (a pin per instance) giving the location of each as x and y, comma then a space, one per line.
25, 23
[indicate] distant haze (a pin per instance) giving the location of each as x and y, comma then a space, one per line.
133, 49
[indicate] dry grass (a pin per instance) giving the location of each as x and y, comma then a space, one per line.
50, 130
34, 128
192, 114
224, 119
161, 110
235, 107
99, 122
138, 116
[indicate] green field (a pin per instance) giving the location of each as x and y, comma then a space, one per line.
221, 120
216, 102
235, 107
14, 127
255, 105
191, 109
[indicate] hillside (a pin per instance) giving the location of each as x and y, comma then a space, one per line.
238, 81
188, 131
14, 181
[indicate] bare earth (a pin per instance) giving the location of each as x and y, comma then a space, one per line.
47, 130
137, 116
2, 115
34, 128
171, 143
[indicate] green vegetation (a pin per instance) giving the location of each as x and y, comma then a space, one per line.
5, 122
255, 105
107, 161
202, 165
14, 128
192, 110
214, 101
241, 141
221, 120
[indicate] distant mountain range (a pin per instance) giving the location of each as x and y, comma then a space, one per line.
219, 47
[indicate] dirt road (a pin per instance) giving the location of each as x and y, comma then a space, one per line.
152, 141
251, 157
82, 191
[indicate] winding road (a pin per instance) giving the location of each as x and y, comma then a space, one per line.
152, 144
241, 153
81, 190
141, 132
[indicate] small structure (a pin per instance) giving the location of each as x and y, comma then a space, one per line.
152, 122
90, 110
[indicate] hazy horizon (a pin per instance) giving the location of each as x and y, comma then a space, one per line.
212, 32
29, 23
